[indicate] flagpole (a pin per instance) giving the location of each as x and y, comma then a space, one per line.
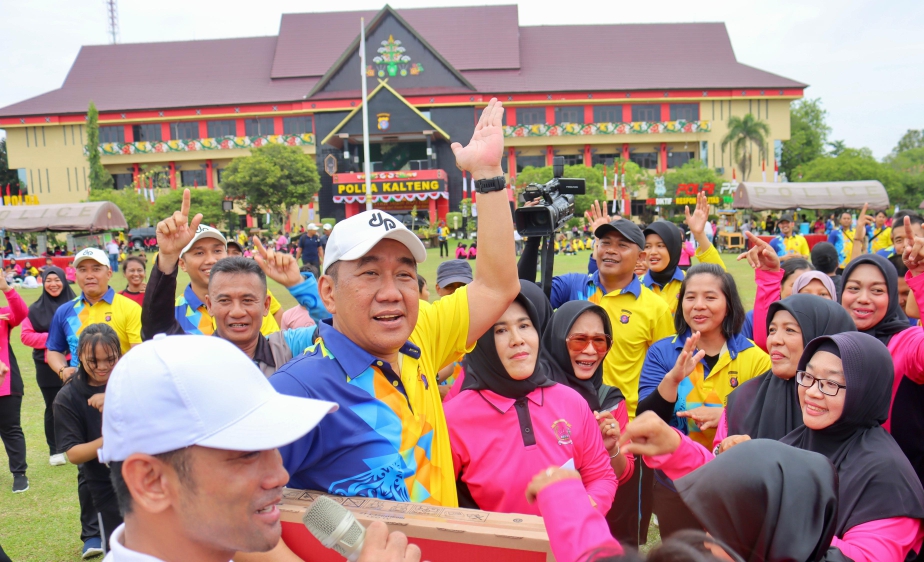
362, 74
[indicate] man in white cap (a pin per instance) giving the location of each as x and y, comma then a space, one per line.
325, 236
309, 248
379, 355
190, 432
199, 252
97, 303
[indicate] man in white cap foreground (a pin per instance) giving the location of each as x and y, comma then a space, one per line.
98, 303
190, 432
378, 357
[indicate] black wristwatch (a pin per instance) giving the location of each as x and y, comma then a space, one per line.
496, 183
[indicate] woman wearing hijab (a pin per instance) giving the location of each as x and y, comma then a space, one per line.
510, 404
687, 378
587, 334
664, 246
746, 500
870, 296
767, 407
815, 283
55, 292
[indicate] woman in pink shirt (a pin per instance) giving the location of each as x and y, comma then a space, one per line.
11, 388
511, 420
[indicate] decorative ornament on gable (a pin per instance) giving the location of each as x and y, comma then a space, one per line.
392, 61
384, 121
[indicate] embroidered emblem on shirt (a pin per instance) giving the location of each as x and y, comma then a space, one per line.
562, 431
733, 382
626, 315
108, 317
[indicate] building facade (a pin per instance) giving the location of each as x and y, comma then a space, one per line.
178, 112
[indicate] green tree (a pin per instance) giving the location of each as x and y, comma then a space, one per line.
743, 133
694, 171
7, 176
100, 178
913, 138
854, 165
808, 135
909, 163
134, 206
205, 201
273, 178
837, 147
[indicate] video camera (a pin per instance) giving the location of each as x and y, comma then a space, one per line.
556, 203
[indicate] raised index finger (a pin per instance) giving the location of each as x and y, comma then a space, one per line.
184, 208
259, 246
909, 234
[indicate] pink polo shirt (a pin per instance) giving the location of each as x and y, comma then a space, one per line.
491, 455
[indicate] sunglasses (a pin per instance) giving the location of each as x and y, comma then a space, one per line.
579, 342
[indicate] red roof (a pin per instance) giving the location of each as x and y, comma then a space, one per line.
484, 43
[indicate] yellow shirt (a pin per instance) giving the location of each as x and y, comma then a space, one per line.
269, 321
122, 314
639, 319
883, 240
671, 291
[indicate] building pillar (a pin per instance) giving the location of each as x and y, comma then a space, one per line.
240, 128
210, 181
663, 158
203, 129
165, 131
549, 155
625, 151
129, 134
442, 207
588, 114
352, 209
665, 112
512, 164
626, 113
136, 171
587, 156
431, 207
550, 115
277, 125
172, 175
249, 221
510, 116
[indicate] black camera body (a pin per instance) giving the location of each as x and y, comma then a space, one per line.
555, 206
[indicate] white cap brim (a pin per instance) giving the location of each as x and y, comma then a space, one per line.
275, 423
97, 259
200, 236
404, 236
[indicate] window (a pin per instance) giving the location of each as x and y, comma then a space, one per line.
687, 111
148, 133
648, 112
637, 207
607, 114
112, 134
121, 181
220, 172
573, 159
604, 159
193, 178
534, 161
184, 131
571, 114
223, 128
678, 159
530, 116
259, 127
296, 125
646, 160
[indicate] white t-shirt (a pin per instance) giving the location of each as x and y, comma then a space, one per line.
118, 552
112, 248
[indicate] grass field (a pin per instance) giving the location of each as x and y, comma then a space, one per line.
42, 524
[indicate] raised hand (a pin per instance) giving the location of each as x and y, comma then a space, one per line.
648, 435
4, 286
280, 267
609, 428
482, 155
597, 216
687, 360
761, 255
700, 216
862, 221
175, 232
913, 255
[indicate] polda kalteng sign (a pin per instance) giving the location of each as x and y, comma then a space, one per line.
811, 195
411, 181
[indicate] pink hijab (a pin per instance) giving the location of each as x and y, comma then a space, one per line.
810, 276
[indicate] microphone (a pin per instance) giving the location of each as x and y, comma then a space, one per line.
335, 527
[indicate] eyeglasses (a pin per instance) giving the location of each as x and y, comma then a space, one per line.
827, 387
579, 342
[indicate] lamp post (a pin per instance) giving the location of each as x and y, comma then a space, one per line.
227, 205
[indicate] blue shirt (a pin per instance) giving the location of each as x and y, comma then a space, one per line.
747, 329
309, 246
649, 281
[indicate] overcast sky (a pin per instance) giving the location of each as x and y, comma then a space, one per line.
863, 58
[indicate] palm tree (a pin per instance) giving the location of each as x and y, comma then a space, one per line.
742, 133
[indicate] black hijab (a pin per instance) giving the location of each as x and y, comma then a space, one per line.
895, 320
43, 310
767, 501
536, 296
767, 407
876, 479
483, 367
562, 371
668, 232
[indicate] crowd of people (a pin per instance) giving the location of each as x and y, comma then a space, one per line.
643, 386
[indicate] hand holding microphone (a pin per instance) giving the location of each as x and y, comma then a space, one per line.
336, 528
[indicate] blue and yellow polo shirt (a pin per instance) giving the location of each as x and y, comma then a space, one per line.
671, 291
389, 438
194, 317
121, 314
843, 243
880, 239
790, 245
739, 362
639, 318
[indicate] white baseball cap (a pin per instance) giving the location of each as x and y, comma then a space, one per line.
177, 391
312, 226
204, 231
94, 254
328, 226
352, 238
